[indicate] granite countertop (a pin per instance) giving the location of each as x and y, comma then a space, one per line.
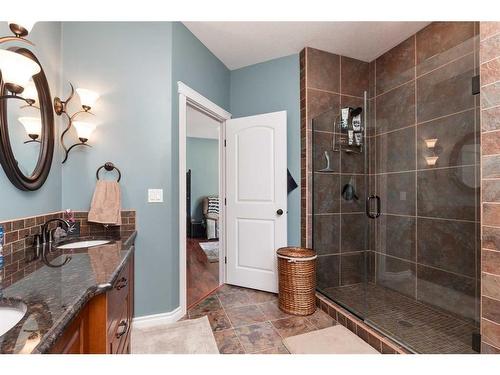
55, 295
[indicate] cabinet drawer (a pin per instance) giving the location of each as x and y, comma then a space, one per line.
117, 296
118, 337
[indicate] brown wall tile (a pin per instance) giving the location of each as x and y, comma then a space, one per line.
448, 291
436, 186
394, 152
491, 309
396, 236
488, 29
490, 72
354, 76
491, 238
326, 238
491, 261
455, 136
490, 119
442, 42
388, 267
491, 190
490, 286
491, 331
491, 166
323, 70
491, 143
446, 90
448, 245
397, 193
490, 95
352, 268
318, 103
491, 214
396, 108
328, 272
490, 48
396, 66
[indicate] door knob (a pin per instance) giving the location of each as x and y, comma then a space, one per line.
279, 212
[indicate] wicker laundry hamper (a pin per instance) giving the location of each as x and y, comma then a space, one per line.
297, 280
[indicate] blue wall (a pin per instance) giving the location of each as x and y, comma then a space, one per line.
268, 87
202, 157
135, 67
129, 64
15, 203
197, 67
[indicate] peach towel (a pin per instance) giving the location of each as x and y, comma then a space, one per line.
106, 207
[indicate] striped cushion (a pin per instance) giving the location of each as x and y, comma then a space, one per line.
213, 205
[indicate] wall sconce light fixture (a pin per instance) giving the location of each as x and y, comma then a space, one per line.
431, 143
83, 129
33, 127
431, 160
17, 69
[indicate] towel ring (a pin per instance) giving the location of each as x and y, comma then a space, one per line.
109, 167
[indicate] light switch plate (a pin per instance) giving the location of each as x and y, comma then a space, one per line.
155, 195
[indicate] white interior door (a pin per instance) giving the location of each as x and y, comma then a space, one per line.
256, 199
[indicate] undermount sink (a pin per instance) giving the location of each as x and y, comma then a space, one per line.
82, 244
10, 315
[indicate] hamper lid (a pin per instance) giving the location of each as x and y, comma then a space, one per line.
296, 252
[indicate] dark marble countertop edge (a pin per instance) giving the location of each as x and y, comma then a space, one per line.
49, 339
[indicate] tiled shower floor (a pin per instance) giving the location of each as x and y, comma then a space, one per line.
417, 325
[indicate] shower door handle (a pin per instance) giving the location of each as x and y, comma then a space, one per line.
368, 211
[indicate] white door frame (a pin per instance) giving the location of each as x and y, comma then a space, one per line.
188, 96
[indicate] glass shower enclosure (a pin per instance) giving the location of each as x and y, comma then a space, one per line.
395, 192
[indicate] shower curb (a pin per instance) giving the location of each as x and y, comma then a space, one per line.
377, 340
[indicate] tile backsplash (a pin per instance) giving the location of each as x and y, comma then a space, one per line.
17, 250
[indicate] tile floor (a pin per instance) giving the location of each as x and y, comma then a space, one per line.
421, 327
248, 321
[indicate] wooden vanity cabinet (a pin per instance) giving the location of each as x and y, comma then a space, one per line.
104, 325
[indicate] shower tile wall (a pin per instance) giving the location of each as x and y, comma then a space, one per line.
490, 119
330, 81
426, 243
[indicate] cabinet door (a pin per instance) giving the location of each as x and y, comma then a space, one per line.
73, 340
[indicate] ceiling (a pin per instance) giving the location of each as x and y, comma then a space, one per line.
238, 44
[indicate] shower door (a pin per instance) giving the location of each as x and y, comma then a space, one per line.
412, 271
341, 227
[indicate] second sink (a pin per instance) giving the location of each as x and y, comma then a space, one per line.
82, 244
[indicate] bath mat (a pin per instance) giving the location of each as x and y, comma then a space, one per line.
331, 340
212, 250
184, 337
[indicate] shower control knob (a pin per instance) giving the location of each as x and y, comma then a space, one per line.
279, 212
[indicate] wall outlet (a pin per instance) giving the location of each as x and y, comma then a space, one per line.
155, 195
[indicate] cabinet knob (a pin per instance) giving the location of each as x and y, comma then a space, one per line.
279, 212
122, 283
122, 329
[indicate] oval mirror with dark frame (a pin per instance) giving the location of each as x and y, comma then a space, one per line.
27, 162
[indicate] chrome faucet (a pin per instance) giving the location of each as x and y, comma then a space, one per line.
47, 233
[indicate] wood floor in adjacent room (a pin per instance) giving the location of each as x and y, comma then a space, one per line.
202, 276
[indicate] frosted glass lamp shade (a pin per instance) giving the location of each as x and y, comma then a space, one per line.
431, 143
87, 97
17, 70
32, 125
431, 160
84, 130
